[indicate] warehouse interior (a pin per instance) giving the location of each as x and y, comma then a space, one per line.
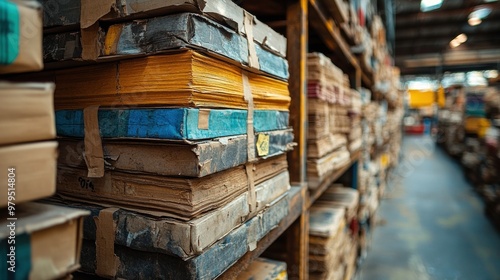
250, 139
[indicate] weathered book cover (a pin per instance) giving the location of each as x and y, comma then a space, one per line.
186, 239
147, 262
69, 15
159, 34
182, 79
187, 159
182, 198
26, 112
172, 124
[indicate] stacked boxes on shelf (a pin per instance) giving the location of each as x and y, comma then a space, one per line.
333, 234
38, 241
176, 140
329, 122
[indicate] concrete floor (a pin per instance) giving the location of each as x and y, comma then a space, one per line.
431, 225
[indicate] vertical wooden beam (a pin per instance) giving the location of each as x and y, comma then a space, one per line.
297, 244
297, 57
297, 235
358, 78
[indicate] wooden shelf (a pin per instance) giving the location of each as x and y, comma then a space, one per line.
331, 36
296, 207
299, 16
332, 177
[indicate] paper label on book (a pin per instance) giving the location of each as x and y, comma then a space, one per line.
9, 32
203, 117
262, 145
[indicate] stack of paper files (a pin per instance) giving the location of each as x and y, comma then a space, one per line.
329, 120
355, 133
333, 241
174, 129
328, 236
38, 241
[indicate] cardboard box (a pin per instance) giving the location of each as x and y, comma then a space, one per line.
26, 112
264, 269
34, 176
22, 37
48, 240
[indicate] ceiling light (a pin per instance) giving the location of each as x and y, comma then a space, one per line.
454, 43
429, 5
480, 12
474, 21
461, 38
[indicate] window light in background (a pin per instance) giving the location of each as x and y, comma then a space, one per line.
429, 5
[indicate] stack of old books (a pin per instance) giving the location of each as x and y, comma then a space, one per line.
329, 98
355, 134
176, 139
333, 234
39, 241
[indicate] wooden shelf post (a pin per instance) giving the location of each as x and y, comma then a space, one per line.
297, 235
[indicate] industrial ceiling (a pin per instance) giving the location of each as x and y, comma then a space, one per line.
423, 39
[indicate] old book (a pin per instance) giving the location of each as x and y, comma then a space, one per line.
319, 169
186, 239
48, 241
187, 159
149, 263
173, 123
320, 147
71, 14
318, 117
21, 40
355, 145
184, 79
322, 70
181, 198
339, 196
325, 221
265, 269
29, 171
160, 34
26, 112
